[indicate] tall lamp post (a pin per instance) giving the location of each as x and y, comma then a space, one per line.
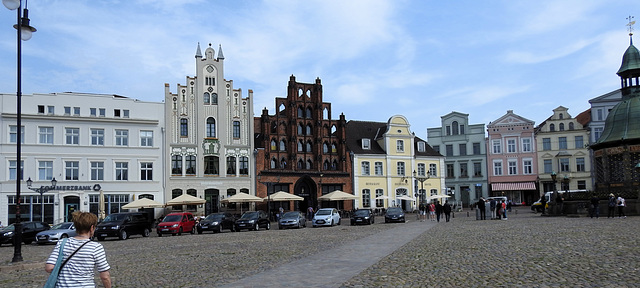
24, 33
554, 196
42, 190
422, 193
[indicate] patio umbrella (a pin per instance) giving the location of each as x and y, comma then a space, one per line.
437, 197
242, 198
101, 212
283, 196
404, 197
383, 197
143, 203
186, 199
337, 196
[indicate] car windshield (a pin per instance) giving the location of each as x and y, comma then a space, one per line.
324, 212
65, 225
394, 210
249, 215
114, 217
214, 217
361, 213
9, 228
291, 215
172, 218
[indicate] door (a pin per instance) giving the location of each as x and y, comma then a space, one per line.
69, 209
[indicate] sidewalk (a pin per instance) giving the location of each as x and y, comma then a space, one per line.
333, 267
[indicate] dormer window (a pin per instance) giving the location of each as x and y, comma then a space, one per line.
421, 146
366, 144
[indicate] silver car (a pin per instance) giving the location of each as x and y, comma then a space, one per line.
57, 232
326, 217
292, 219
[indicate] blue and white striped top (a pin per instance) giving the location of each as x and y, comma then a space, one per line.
79, 271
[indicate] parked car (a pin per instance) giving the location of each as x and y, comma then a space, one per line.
326, 217
216, 222
57, 232
292, 219
253, 220
394, 214
176, 223
29, 231
123, 225
363, 216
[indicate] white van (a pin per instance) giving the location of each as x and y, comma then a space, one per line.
537, 206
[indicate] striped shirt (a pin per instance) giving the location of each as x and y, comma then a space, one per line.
79, 270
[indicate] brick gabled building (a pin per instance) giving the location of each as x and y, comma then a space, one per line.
301, 150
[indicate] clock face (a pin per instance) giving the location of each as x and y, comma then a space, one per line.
210, 69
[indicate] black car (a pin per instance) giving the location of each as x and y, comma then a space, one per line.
29, 231
253, 220
394, 214
122, 225
292, 219
363, 216
216, 222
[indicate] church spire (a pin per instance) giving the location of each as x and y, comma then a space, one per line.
198, 52
220, 55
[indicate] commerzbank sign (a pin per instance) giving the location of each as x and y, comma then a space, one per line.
95, 187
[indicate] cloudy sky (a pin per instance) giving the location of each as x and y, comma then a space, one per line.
376, 58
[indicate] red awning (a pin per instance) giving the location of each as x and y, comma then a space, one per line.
513, 186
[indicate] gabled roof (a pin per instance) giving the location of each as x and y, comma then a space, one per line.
614, 96
358, 130
510, 119
584, 118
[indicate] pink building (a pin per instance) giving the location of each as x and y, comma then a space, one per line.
511, 158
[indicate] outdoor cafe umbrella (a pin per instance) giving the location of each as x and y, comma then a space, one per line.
337, 196
143, 203
242, 198
437, 197
283, 196
186, 199
383, 197
404, 197
101, 206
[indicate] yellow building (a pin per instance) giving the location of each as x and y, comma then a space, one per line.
389, 163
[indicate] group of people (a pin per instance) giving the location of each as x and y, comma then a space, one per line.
437, 210
497, 208
612, 203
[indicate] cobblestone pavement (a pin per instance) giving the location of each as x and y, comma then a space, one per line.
525, 251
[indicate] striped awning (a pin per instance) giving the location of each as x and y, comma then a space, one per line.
513, 186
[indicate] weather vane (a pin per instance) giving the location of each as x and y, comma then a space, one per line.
630, 24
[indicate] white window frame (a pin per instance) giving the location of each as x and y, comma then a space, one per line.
511, 146
45, 135
378, 168
527, 166
122, 137
497, 168
71, 170
512, 167
366, 144
526, 145
73, 134
496, 146
97, 170
400, 145
366, 168
97, 137
146, 138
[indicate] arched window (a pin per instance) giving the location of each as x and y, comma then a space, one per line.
273, 163
300, 129
309, 147
231, 165
309, 164
325, 114
211, 164
300, 112
273, 145
570, 125
283, 145
333, 148
283, 163
308, 112
552, 127
214, 98
561, 116
308, 129
325, 147
184, 127
300, 164
211, 127
454, 127
206, 98
334, 165
274, 127
561, 126
300, 146
325, 165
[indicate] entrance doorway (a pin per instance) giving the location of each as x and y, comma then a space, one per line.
307, 189
213, 201
71, 204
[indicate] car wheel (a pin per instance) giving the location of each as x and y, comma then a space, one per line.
331, 223
27, 241
386, 221
100, 238
279, 227
159, 234
233, 229
180, 231
339, 221
257, 228
268, 226
146, 232
193, 230
314, 226
199, 231
123, 235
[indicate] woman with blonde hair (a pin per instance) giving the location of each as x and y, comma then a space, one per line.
81, 255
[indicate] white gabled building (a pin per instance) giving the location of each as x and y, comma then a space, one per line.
210, 137
87, 142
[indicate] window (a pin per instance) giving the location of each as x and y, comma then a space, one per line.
366, 144
378, 168
45, 135
231, 165
579, 142
211, 164
283, 145
564, 164
236, 129
122, 171
116, 113
300, 129
399, 146
450, 171
526, 145
308, 132
379, 202
561, 127
184, 127
497, 148
422, 146
463, 148
597, 132
97, 170
72, 136
67, 110
97, 136
214, 98
548, 166
436, 148
464, 170
146, 138
273, 145
571, 126
244, 165
308, 148
513, 167
13, 172
366, 198
125, 113
552, 127
433, 170
546, 143
497, 168
448, 128
122, 137
477, 169
211, 127
476, 149
76, 111
71, 170
449, 148
190, 165
93, 112
300, 146
421, 169
400, 169
580, 166
527, 166
206, 97
365, 168
146, 171
599, 114
13, 134
45, 170
50, 110
103, 112
511, 145
454, 128
176, 165
562, 142
582, 184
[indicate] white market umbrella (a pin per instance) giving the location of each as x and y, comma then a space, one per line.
383, 197
283, 196
437, 197
337, 196
143, 203
404, 197
186, 199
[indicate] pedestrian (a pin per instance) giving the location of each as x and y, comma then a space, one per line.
560, 202
432, 211
503, 210
492, 206
621, 205
543, 201
310, 213
595, 207
447, 210
438, 211
612, 206
509, 205
81, 255
481, 207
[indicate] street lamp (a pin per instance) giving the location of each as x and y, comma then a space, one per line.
422, 193
24, 33
554, 196
42, 190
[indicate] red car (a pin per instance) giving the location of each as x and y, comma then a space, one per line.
176, 223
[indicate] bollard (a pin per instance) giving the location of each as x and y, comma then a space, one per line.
467, 214
516, 211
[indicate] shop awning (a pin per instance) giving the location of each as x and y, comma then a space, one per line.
513, 186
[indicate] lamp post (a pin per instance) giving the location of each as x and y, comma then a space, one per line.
42, 190
422, 193
24, 32
554, 196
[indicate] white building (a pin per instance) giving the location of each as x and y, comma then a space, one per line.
210, 137
87, 142
600, 107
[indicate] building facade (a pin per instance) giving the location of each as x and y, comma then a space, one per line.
563, 149
465, 153
301, 150
388, 161
209, 136
90, 143
600, 108
511, 158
